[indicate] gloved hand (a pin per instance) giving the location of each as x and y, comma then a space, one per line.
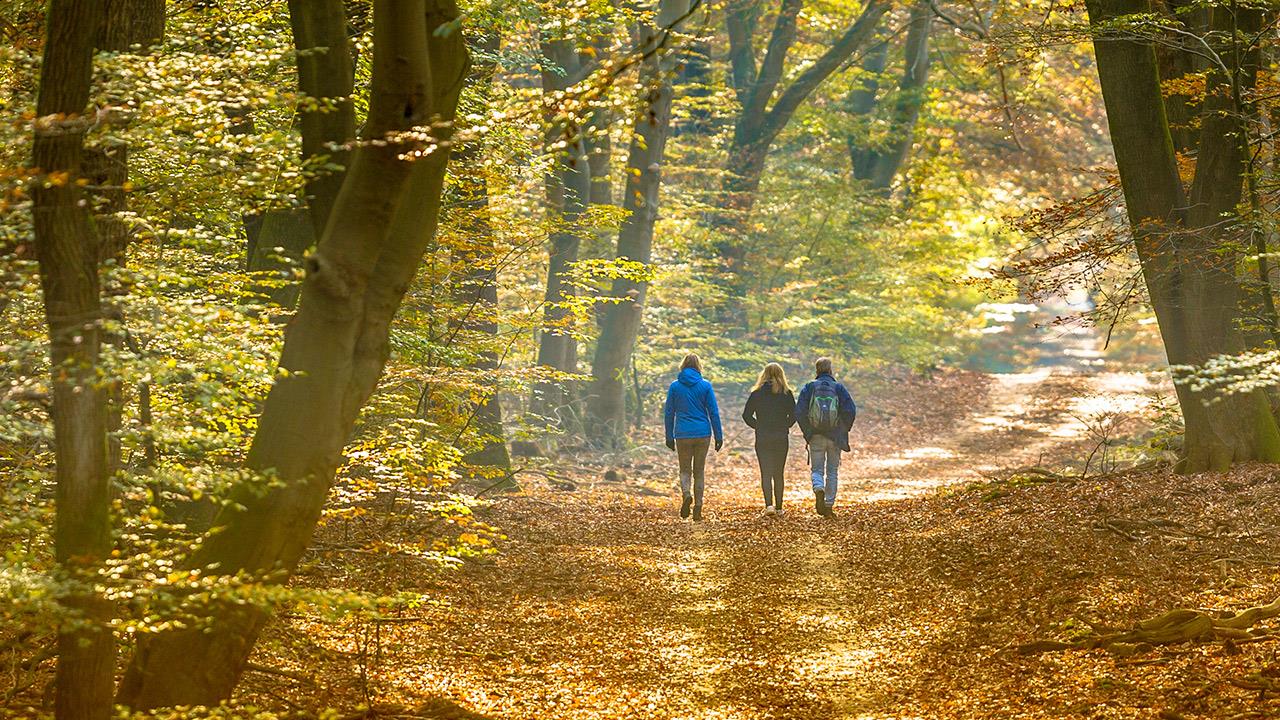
671, 444
719, 444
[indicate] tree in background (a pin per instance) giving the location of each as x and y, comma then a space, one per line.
651, 127
878, 163
767, 103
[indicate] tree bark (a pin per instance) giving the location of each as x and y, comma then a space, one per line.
1188, 268
325, 75
620, 323
127, 24
568, 188
67, 251
477, 292
862, 103
880, 166
334, 353
758, 124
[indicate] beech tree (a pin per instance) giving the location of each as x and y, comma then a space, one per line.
67, 252
767, 102
568, 194
878, 162
651, 127
1184, 236
335, 347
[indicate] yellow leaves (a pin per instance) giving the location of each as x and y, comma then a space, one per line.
1190, 86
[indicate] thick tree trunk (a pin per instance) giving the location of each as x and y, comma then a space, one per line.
334, 352
1190, 274
620, 323
67, 251
1236, 427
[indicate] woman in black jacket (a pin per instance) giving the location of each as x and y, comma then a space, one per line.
771, 411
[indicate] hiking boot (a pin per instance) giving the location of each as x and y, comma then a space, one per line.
684, 506
697, 514
819, 501
829, 512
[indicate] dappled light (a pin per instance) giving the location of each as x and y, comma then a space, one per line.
671, 359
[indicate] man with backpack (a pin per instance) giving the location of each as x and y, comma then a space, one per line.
825, 413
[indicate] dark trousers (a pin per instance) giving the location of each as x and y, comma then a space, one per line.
771, 452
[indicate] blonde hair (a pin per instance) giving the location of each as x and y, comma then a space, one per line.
691, 361
775, 376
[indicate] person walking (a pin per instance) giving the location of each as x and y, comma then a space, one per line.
771, 411
692, 418
825, 412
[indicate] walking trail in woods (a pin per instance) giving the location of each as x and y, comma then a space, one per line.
602, 603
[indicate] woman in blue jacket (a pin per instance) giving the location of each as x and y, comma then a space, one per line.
692, 417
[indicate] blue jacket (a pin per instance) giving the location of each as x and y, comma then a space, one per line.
691, 410
848, 412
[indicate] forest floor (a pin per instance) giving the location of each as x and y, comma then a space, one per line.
910, 603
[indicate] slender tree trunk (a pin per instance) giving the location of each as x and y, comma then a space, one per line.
278, 239
1189, 271
325, 75
477, 292
880, 166
620, 323
67, 251
568, 187
126, 24
334, 352
862, 103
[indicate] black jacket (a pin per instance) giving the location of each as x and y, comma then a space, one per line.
771, 414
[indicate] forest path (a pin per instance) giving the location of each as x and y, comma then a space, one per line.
602, 603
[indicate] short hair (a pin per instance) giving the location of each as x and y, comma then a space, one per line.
691, 361
822, 366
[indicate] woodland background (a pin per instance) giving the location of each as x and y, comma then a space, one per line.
363, 266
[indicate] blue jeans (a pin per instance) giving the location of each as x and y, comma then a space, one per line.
824, 461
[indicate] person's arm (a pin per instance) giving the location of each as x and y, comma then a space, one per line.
749, 412
791, 409
713, 413
669, 419
848, 411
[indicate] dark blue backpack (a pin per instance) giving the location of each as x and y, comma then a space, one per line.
824, 406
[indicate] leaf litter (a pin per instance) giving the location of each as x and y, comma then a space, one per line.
912, 603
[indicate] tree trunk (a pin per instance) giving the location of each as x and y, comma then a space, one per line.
620, 323
334, 352
126, 24
325, 75
861, 104
880, 166
477, 292
68, 258
568, 187
759, 123
1189, 271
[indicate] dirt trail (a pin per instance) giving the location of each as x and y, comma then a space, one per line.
604, 604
